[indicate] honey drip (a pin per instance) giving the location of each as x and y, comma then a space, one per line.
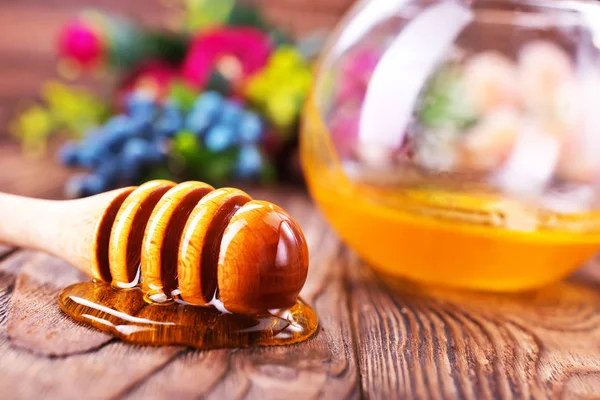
125, 314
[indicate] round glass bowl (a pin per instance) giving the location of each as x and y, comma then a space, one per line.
458, 143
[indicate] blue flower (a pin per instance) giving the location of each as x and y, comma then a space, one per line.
91, 155
250, 128
197, 122
169, 122
231, 114
209, 103
140, 105
116, 132
109, 171
249, 162
132, 159
94, 184
219, 137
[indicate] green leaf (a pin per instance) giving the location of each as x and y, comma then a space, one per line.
128, 45
186, 145
215, 168
183, 94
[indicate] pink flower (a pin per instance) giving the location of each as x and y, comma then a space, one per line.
237, 52
79, 42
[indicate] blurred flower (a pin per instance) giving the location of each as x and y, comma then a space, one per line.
32, 128
221, 140
235, 52
81, 43
95, 40
72, 109
280, 88
65, 109
215, 101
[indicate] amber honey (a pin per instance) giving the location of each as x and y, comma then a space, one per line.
444, 237
187, 264
125, 314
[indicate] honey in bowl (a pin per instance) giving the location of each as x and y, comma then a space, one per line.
453, 143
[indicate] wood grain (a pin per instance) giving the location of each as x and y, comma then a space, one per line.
378, 339
102, 371
436, 343
41, 178
35, 323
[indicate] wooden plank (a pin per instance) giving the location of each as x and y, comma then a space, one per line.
101, 372
435, 343
42, 177
301, 21
9, 269
324, 366
35, 322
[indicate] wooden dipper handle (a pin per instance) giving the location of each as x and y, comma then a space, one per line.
204, 245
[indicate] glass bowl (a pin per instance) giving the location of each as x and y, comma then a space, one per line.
458, 143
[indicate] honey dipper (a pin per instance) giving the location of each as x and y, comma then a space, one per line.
189, 240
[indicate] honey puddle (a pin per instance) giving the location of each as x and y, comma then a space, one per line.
126, 314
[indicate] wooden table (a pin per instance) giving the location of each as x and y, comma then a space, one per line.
373, 341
